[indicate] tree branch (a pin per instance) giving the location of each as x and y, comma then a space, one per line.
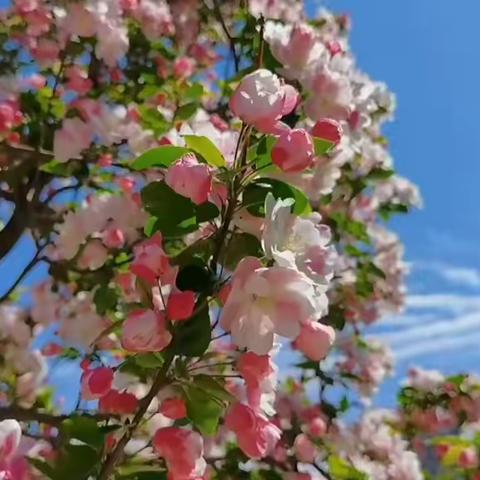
116, 455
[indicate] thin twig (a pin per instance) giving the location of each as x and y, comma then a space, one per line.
231, 39
36, 259
116, 455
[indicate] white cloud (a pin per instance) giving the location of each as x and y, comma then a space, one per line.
462, 276
455, 346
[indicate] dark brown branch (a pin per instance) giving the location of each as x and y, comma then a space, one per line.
112, 460
231, 39
36, 259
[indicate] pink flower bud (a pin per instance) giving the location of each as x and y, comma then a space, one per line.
261, 100
180, 305
120, 403
294, 151
145, 331
304, 448
190, 179
315, 340
96, 383
173, 408
328, 129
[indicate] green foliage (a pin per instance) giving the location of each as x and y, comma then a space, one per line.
162, 156
256, 192
204, 147
340, 469
322, 146
174, 214
206, 400
105, 299
192, 337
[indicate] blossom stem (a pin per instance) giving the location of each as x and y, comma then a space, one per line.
112, 460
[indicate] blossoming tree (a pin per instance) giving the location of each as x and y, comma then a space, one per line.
208, 185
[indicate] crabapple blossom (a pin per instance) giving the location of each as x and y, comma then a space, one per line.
145, 331
255, 434
294, 151
190, 178
268, 301
296, 242
96, 383
261, 100
182, 450
74, 136
315, 340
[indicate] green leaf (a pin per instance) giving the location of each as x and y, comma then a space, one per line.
43, 467
356, 229
340, 469
149, 360
192, 337
241, 245
206, 211
141, 471
84, 429
214, 387
379, 174
105, 299
256, 192
322, 146
59, 169
203, 410
194, 277
175, 213
186, 111
162, 156
206, 148
194, 92
76, 462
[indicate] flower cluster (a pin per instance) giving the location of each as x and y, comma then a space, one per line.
199, 231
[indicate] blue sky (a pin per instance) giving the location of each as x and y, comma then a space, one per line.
427, 52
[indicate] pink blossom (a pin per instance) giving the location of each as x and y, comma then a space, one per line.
294, 151
150, 262
315, 340
261, 100
93, 256
267, 301
468, 458
79, 21
96, 383
73, 137
256, 435
257, 371
184, 67
305, 450
119, 403
182, 450
78, 80
10, 116
174, 408
145, 331
180, 305
190, 179
332, 95
46, 52
113, 237
328, 129
294, 46
10, 434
